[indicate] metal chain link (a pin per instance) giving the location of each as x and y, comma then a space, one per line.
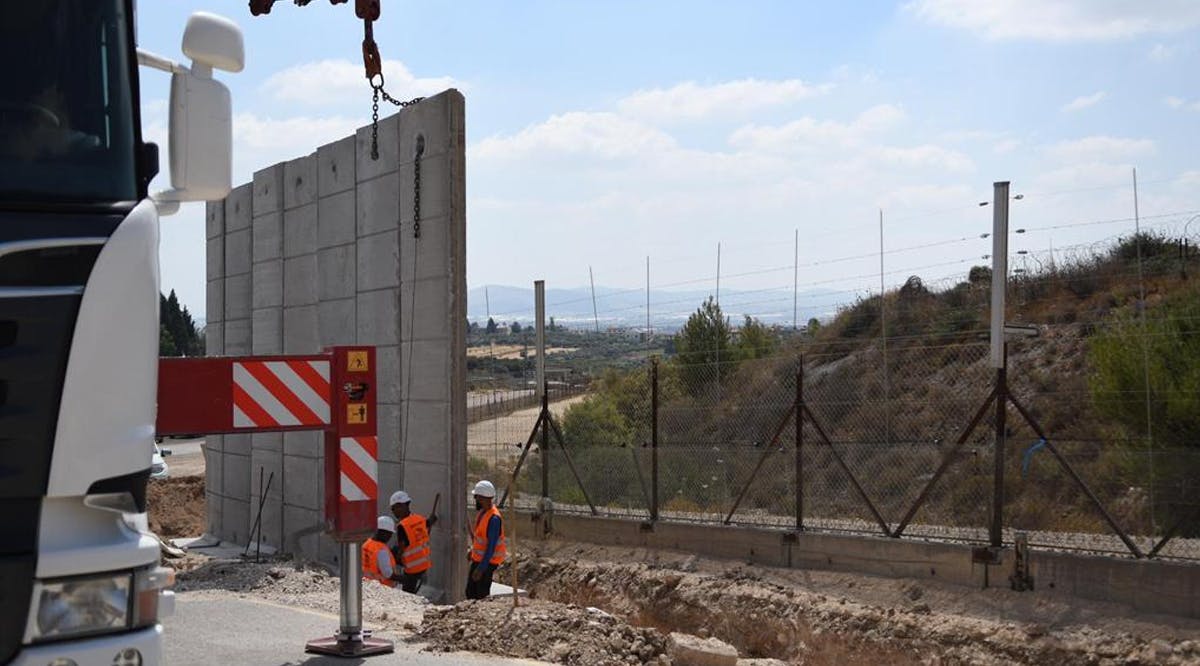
417, 187
377, 91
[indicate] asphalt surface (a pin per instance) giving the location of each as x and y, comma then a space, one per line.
187, 456
227, 629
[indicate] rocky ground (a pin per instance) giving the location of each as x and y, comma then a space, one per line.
605, 606
809, 617
293, 584
558, 633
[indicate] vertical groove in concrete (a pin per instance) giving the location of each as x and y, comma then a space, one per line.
315, 252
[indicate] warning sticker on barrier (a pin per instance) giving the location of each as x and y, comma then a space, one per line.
356, 361
359, 469
268, 394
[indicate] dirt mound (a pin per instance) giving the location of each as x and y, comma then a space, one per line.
559, 633
762, 618
176, 506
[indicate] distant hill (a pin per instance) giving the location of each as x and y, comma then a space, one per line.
626, 308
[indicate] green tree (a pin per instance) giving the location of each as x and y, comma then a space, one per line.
1162, 352
755, 340
516, 327
179, 328
595, 422
813, 326
491, 326
166, 345
703, 347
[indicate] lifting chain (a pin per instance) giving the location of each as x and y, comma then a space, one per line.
368, 11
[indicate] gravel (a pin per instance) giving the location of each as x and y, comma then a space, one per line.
288, 583
544, 630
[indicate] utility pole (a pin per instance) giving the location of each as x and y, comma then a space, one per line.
595, 312
647, 300
796, 283
887, 389
718, 273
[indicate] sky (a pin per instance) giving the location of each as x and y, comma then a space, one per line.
603, 133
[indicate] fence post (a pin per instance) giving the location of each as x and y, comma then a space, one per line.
654, 439
800, 447
996, 532
545, 448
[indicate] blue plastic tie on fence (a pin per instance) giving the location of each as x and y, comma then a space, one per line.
1028, 457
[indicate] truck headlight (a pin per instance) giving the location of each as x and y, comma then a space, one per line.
100, 604
75, 606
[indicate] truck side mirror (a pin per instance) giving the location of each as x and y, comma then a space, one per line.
201, 117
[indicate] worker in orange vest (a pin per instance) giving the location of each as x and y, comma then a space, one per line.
377, 561
412, 541
487, 548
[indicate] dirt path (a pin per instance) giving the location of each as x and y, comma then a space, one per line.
814, 617
495, 439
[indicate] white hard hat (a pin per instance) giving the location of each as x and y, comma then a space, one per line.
386, 523
399, 497
484, 489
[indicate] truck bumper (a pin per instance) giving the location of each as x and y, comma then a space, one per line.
101, 650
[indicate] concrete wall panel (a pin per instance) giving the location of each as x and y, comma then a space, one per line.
319, 251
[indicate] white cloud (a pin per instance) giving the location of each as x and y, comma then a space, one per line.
1099, 149
1180, 103
692, 101
259, 142
808, 133
1005, 146
930, 156
598, 134
1084, 102
330, 82
1163, 52
1061, 20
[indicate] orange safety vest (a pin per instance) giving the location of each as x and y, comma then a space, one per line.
370, 562
416, 556
479, 546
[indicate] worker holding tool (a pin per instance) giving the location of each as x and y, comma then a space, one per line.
412, 540
488, 549
377, 561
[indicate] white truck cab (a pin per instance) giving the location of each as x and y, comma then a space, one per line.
80, 580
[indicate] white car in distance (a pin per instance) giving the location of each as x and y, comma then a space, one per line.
158, 466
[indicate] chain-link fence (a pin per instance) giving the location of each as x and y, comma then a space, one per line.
900, 442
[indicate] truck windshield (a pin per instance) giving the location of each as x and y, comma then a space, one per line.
67, 128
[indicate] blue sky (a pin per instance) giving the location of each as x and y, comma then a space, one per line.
602, 132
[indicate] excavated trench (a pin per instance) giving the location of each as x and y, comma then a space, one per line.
759, 622
763, 619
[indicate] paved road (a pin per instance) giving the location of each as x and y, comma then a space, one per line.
187, 456
226, 629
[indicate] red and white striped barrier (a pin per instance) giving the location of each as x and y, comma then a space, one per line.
271, 394
359, 469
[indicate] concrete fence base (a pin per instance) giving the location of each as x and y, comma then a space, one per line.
1147, 586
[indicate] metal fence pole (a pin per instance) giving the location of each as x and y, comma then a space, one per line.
800, 447
654, 439
996, 533
545, 452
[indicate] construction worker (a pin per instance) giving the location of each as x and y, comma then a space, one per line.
487, 548
412, 541
377, 561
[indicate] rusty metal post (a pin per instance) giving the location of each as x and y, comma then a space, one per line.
1062, 461
654, 439
800, 447
996, 533
545, 452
